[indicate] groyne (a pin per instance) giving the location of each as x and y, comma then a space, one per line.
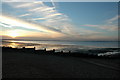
89, 53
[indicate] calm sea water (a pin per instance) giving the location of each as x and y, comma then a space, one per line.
61, 45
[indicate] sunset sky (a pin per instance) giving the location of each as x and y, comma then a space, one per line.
75, 21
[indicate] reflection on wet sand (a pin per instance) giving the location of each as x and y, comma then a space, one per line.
57, 47
12, 44
38, 46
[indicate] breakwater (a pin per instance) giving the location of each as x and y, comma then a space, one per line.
96, 53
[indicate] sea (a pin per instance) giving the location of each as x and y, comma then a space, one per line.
59, 45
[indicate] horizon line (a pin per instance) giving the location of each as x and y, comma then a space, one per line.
66, 40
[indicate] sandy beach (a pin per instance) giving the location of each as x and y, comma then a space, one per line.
27, 65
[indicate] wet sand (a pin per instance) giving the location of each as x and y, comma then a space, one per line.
25, 65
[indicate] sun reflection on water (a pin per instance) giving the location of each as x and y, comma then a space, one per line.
40, 45
12, 44
37, 47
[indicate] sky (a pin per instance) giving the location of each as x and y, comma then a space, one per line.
74, 21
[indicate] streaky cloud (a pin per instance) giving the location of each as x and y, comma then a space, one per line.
110, 21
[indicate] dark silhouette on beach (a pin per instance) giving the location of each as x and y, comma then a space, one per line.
89, 53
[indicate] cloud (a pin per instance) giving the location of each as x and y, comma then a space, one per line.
41, 14
24, 5
53, 15
110, 24
13, 22
24, 15
104, 27
50, 22
110, 21
53, 3
34, 19
89, 37
5, 25
90, 25
109, 27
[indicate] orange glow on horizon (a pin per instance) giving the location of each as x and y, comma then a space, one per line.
13, 34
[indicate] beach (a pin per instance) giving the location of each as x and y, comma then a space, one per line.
27, 65
59, 39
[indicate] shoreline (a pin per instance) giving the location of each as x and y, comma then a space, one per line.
94, 53
59, 44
